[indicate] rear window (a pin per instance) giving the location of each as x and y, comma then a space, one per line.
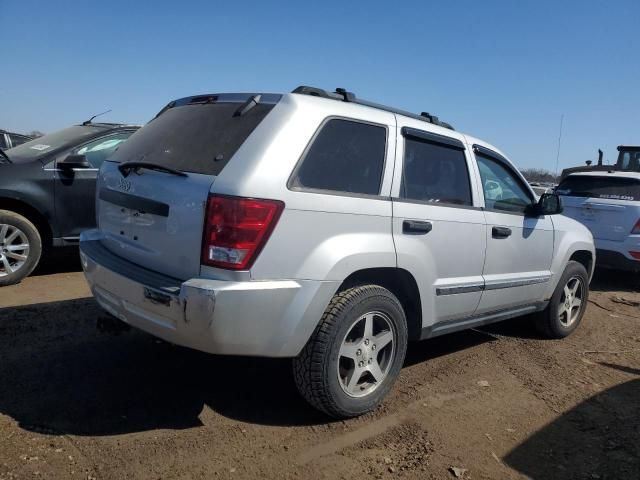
195, 138
345, 156
615, 188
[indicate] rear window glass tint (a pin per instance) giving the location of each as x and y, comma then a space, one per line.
196, 138
615, 188
435, 173
345, 156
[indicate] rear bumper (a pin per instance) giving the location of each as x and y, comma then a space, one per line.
616, 260
612, 254
266, 318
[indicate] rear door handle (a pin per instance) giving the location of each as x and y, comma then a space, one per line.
501, 232
416, 227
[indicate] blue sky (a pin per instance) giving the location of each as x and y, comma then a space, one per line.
503, 71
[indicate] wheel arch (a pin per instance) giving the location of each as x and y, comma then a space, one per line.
585, 258
398, 281
32, 214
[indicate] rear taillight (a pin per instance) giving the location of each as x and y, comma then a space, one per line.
635, 255
636, 228
236, 229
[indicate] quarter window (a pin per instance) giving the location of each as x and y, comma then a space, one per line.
503, 190
346, 156
436, 173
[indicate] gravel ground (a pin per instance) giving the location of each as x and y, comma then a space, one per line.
82, 398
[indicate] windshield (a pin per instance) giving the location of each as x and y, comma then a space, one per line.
629, 160
43, 146
615, 188
196, 138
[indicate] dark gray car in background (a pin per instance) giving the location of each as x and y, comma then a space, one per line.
10, 139
47, 190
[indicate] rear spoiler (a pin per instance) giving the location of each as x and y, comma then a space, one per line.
592, 168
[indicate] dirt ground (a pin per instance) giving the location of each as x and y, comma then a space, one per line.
80, 398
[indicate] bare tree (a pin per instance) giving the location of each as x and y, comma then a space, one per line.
539, 175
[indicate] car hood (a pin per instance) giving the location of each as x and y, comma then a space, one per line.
10, 173
16, 160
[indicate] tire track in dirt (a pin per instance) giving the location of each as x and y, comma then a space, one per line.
378, 427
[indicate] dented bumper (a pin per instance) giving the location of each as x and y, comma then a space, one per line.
262, 318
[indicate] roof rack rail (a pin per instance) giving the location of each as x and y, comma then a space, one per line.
346, 96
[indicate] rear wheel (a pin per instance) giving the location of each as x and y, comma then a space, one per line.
356, 353
568, 303
20, 247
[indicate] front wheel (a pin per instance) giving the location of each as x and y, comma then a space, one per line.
355, 354
20, 247
568, 303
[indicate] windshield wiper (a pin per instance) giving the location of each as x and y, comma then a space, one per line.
5, 156
126, 167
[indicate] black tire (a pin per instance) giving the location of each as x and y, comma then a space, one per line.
316, 368
549, 322
35, 248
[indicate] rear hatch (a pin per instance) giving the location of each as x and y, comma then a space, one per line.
154, 217
608, 204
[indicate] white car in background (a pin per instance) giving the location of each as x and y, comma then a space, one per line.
540, 188
608, 203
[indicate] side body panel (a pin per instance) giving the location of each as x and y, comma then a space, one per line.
570, 237
75, 192
320, 235
517, 268
447, 261
30, 184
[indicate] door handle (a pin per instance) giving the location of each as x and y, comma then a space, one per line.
500, 232
416, 227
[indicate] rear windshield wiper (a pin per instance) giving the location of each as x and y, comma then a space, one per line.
126, 167
5, 156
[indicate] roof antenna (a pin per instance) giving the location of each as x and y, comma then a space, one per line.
88, 122
559, 141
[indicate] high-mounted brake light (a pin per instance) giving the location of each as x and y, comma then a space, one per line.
636, 228
236, 229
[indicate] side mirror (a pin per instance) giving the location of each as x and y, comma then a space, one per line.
74, 161
549, 204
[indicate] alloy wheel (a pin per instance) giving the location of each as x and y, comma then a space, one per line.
366, 354
14, 249
571, 302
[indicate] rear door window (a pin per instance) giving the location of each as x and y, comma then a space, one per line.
345, 156
195, 138
615, 188
435, 173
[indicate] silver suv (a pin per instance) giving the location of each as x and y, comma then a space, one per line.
321, 227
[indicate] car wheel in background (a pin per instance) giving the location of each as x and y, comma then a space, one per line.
20, 247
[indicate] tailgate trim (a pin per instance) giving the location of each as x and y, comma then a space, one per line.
134, 202
101, 255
